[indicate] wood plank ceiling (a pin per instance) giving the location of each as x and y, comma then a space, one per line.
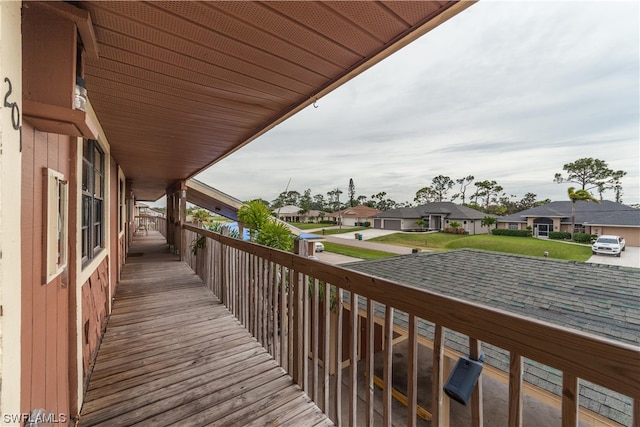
180, 85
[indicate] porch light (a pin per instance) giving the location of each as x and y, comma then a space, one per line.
463, 378
80, 99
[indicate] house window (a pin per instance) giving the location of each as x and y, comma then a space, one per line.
513, 226
93, 167
122, 206
56, 223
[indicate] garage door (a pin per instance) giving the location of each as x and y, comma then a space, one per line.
393, 224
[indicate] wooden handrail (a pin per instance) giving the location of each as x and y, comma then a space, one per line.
577, 354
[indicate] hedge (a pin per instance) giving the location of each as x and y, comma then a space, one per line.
582, 237
559, 235
507, 232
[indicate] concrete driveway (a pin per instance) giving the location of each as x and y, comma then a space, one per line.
630, 257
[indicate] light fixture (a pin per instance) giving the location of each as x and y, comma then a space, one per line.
463, 378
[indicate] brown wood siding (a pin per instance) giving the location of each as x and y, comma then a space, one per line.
45, 321
95, 292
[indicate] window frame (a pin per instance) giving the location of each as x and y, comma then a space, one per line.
56, 224
92, 222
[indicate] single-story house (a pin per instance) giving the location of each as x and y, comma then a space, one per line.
593, 298
605, 218
291, 213
354, 216
436, 216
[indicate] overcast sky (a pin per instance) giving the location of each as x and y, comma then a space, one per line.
505, 91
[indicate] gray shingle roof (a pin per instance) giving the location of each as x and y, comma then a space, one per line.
448, 209
599, 299
605, 213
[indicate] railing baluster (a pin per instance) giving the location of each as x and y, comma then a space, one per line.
438, 417
388, 366
291, 329
476, 397
315, 335
569, 400
337, 393
370, 357
284, 359
515, 390
306, 315
412, 373
275, 306
353, 365
326, 363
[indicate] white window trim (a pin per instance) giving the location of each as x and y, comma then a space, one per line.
56, 223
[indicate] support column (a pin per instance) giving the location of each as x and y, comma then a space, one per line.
182, 218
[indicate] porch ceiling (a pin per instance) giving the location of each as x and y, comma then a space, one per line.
180, 85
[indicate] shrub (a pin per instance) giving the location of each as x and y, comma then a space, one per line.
559, 235
582, 237
454, 230
506, 232
367, 224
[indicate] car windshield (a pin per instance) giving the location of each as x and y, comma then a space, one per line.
612, 241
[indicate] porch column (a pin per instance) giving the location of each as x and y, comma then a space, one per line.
170, 219
182, 218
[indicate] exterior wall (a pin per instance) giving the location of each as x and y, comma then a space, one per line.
10, 211
45, 310
95, 309
471, 226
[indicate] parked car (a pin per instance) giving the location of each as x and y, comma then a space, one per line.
613, 245
319, 247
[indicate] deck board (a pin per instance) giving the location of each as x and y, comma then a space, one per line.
173, 355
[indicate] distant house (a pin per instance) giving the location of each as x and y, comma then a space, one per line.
289, 213
354, 216
604, 218
436, 216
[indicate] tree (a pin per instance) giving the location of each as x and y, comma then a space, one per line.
352, 193
488, 191
425, 195
464, 183
591, 173
575, 196
200, 216
441, 185
488, 221
275, 234
254, 215
306, 202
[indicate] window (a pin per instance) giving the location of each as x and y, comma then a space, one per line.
122, 205
513, 226
93, 167
56, 220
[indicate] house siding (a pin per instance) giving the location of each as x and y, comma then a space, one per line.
95, 308
45, 309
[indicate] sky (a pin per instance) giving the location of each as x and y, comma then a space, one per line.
504, 91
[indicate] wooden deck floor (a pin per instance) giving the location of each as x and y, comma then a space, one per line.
173, 355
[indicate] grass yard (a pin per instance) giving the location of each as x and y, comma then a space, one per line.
507, 244
355, 252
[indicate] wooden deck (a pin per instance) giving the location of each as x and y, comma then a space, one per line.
173, 355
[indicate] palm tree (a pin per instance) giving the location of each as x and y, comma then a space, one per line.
254, 215
579, 195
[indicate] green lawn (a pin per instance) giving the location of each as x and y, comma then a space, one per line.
355, 252
508, 244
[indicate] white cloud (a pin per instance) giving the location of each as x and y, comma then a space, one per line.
503, 91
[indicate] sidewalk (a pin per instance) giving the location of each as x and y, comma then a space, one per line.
350, 240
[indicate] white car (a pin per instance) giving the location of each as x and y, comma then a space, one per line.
607, 244
319, 247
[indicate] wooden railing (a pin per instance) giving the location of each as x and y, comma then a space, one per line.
145, 223
301, 311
